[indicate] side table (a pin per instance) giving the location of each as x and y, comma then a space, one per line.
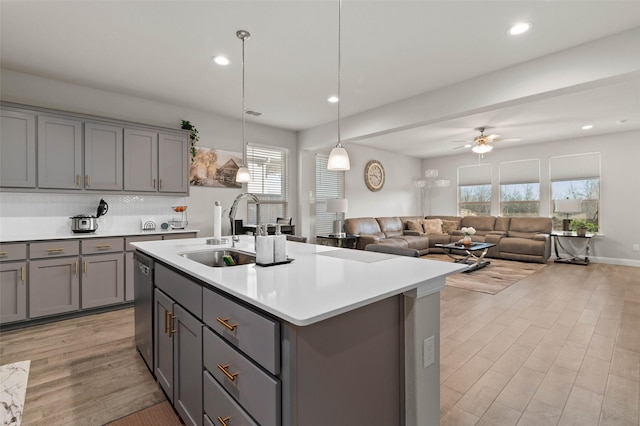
572, 256
348, 241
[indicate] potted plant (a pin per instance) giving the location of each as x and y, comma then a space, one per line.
194, 137
582, 226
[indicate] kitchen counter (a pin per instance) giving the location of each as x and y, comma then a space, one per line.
320, 283
10, 236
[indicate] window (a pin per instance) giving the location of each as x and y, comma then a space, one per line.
520, 188
269, 181
576, 177
329, 184
474, 190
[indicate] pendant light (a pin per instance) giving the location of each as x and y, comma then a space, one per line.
338, 158
243, 175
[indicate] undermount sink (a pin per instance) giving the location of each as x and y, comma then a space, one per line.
215, 258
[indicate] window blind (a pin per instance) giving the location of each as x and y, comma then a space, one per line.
269, 182
474, 175
574, 167
522, 171
329, 184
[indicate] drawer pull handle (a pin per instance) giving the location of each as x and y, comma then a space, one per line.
22, 273
154, 183
76, 266
230, 376
166, 321
172, 330
224, 321
78, 181
87, 180
55, 250
84, 267
4, 253
224, 421
104, 246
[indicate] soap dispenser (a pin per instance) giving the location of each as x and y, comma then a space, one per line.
279, 245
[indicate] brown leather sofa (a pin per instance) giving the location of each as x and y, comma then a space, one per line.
515, 238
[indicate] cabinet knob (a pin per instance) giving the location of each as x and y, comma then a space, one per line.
225, 322
223, 421
225, 371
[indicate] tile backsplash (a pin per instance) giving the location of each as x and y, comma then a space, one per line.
37, 213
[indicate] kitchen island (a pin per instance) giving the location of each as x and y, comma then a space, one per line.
337, 336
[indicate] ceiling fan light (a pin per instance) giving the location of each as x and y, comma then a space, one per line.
243, 175
481, 148
338, 159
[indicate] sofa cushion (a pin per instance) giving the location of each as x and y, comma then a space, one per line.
414, 242
362, 226
517, 234
482, 224
535, 225
391, 226
432, 226
502, 223
449, 226
522, 246
414, 225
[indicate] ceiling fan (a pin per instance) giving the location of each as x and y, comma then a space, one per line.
482, 144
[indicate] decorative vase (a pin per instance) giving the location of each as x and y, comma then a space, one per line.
466, 240
581, 232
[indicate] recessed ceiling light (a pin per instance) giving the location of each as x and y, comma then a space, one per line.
333, 99
519, 28
587, 127
221, 60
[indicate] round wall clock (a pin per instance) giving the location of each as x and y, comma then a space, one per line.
374, 175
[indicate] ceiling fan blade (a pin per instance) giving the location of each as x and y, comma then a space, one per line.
507, 140
491, 137
461, 146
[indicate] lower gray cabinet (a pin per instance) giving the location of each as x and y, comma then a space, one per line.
178, 357
54, 286
13, 291
102, 280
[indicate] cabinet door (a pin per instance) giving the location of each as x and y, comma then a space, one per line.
140, 160
13, 291
17, 149
163, 344
102, 280
102, 157
54, 286
59, 153
187, 366
173, 163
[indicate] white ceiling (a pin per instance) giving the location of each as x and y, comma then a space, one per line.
391, 50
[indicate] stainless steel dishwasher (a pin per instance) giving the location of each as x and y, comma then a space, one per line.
143, 306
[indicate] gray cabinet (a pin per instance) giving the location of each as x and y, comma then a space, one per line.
13, 291
103, 158
54, 286
59, 153
173, 161
140, 160
178, 357
102, 280
17, 149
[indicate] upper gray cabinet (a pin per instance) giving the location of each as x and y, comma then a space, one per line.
102, 157
173, 163
17, 149
140, 160
59, 153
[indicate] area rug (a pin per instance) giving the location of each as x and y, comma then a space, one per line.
491, 279
161, 414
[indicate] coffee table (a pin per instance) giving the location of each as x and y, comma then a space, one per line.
470, 258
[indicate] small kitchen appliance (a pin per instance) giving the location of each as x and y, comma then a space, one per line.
86, 223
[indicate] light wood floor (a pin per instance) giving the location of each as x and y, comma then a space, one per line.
84, 371
561, 347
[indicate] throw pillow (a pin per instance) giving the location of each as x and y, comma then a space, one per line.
448, 226
432, 226
414, 225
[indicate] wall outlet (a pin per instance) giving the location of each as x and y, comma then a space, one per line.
636, 247
428, 350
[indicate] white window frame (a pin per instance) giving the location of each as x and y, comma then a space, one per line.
329, 184
271, 205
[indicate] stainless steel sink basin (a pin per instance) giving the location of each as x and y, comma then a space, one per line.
215, 258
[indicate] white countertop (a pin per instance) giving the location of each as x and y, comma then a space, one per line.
8, 236
313, 287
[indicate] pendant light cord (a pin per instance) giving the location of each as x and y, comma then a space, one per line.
339, 67
243, 118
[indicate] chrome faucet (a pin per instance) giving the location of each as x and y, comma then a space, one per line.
234, 209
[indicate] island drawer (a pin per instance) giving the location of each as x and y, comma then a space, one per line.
55, 248
180, 288
251, 332
13, 252
218, 404
255, 390
102, 245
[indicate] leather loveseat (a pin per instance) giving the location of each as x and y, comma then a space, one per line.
516, 238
